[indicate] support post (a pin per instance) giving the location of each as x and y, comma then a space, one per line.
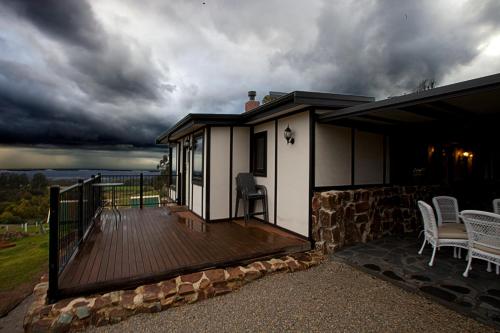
141, 202
53, 290
80, 209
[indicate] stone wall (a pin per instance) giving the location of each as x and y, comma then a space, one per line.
348, 217
79, 313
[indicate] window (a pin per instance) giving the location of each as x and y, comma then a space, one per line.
173, 165
259, 154
198, 159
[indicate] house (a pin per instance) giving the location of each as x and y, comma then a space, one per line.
443, 136
338, 169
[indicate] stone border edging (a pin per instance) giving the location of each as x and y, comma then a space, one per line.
113, 307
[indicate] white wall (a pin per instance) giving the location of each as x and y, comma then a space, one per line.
219, 172
197, 199
293, 175
332, 155
368, 158
241, 161
268, 181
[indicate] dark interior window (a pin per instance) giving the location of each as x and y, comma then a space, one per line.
259, 154
173, 165
198, 159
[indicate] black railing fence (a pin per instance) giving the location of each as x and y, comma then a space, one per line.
74, 209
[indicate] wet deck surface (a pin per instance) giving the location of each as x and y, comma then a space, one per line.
153, 244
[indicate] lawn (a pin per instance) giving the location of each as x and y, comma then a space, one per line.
20, 268
21, 263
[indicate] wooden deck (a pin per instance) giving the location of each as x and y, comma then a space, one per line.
154, 243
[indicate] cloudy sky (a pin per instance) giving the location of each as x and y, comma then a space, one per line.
77, 74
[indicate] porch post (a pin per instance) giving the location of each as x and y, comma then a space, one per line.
53, 290
141, 185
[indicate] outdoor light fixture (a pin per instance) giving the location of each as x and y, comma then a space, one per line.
467, 154
289, 135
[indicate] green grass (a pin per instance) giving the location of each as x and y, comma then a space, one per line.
23, 262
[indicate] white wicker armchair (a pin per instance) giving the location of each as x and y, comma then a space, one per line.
452, 234
483, 230
496, 206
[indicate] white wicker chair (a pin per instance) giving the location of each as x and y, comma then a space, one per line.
483, 230
446, 209
447, 212
496, 206
452, 234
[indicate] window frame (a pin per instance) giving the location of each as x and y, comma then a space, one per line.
255, 171
198, 179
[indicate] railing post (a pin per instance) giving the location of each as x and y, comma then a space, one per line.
53, 290
91, 196
80, 209
141, 195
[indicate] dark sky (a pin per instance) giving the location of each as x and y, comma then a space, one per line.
120, 72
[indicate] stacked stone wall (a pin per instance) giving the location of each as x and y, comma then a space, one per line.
348, 217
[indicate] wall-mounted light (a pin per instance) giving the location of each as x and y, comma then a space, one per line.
467, 154
289, 135
187, 144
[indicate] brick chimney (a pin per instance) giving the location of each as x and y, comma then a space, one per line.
251, 103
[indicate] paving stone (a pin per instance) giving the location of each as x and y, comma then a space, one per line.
373, 267
392, 275
438, 292
422, 278
494, 302
494, 292
457, 289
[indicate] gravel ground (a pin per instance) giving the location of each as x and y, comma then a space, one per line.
13, 322
330, 297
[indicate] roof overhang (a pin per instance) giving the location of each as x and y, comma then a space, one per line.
281, 106
464, 102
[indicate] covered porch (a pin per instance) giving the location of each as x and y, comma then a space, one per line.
153, 244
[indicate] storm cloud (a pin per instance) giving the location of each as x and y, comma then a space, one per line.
115, 72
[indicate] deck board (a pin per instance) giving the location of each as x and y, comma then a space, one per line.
154, 243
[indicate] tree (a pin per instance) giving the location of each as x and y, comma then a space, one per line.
425, 84
39, 183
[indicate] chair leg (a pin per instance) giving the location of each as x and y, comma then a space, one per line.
423, 245
489, 267
454, 252
433, 255
466, 273
236, 208
266, 209
459, 253
245, 210
498, 269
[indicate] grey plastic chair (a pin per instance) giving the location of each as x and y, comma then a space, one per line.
248, 191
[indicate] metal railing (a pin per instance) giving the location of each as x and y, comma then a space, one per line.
74, 209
